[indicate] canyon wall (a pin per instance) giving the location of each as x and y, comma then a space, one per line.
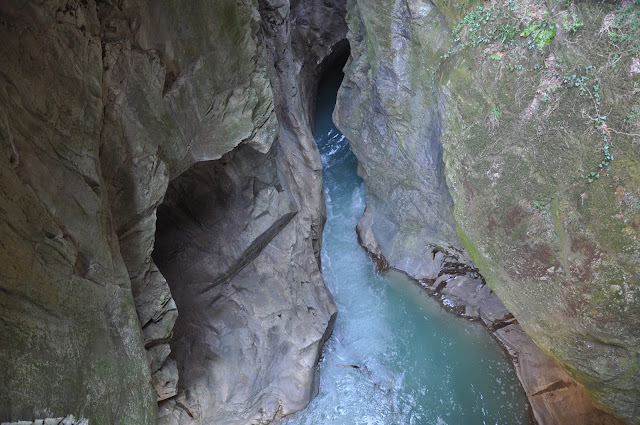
527, 114
390, 110
508, 130
104, 107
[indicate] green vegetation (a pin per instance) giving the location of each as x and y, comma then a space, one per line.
473, 22
540, 32
589, 85
571, 22
624, 27
503, 23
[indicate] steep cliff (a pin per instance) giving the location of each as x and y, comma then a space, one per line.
389, 109
533, 108
543, 161
103, 104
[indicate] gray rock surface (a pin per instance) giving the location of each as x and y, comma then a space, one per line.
389, 108
67, 420
70, 341
102, 105
238, 240
415, 97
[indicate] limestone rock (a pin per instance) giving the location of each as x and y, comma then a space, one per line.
554, 396
69, 336
390, 109
67, 420
102, 105
504, 127
165, 380
238, 241
256, 319
175, 94
560, 251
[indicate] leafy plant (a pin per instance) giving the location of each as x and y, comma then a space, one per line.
541, 33
625, 29
507, 32
496, 112
589, 85
474, 21
571, 22
538, 205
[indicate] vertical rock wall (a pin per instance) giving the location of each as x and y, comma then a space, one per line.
561, 251
70, 341
103, 104
238, 240
390, 109
517, 121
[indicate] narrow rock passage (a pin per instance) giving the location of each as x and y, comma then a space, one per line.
395, 357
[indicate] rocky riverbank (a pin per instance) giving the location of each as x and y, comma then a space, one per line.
554, 397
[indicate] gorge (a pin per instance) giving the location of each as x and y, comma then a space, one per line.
163, 209
407, 360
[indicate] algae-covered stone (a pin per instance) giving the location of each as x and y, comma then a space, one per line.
542, 160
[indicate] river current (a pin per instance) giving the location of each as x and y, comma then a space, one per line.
395, 356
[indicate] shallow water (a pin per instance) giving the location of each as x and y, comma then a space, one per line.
418, 364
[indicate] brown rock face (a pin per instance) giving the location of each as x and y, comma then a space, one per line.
102, 106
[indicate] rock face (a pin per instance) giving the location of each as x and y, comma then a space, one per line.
389, 108
254, 319
67, 420
69, 336
554, 397
103, 104
520, 102
105, 107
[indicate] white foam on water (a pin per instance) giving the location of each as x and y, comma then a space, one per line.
417, 363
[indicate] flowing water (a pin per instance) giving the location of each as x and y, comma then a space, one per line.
417, 363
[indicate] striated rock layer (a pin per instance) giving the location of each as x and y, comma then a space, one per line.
518, 100
104, 106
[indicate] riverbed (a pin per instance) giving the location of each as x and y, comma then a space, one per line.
395, 356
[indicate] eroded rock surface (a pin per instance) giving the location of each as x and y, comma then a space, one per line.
70, 341
390, 109
555, 397
517, 120
255, 318
103, 104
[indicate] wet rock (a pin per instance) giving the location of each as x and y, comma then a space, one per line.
554, 396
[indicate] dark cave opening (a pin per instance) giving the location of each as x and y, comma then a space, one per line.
224, 235
331, 65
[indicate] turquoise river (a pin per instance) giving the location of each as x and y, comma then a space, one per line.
417, 363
